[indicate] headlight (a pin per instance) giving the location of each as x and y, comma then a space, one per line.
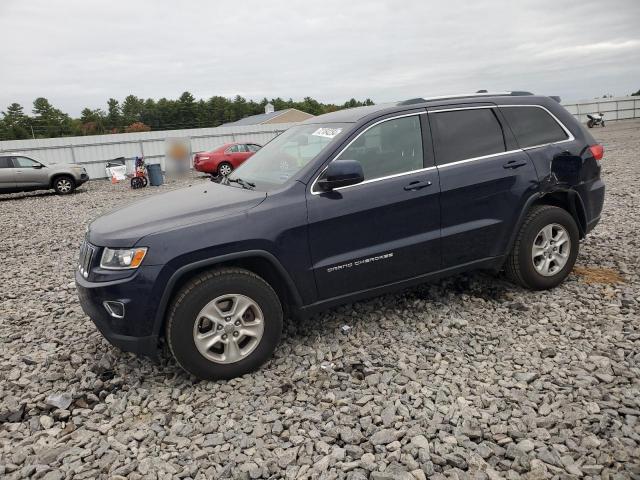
122, 258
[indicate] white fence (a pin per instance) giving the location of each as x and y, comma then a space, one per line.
95, 151
615, 108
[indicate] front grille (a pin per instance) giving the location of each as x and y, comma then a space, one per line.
86, 256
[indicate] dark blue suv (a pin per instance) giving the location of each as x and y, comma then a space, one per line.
346, 205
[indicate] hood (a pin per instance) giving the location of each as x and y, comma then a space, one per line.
203, 202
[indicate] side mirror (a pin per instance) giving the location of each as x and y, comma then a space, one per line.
341, 173
37, 165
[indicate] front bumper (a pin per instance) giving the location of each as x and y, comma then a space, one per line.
83, 178
135, 331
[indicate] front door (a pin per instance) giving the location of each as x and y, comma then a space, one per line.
29, 173
485, 181
385, 229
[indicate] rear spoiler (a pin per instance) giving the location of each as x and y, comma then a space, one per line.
555, 97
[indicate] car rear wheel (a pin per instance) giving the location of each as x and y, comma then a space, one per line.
225, 169
224, 323
64, 185
545, 250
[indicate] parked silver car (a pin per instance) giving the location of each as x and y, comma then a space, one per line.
20, 174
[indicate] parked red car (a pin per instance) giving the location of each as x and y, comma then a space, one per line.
224, 159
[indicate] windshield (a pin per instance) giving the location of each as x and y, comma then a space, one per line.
287, 154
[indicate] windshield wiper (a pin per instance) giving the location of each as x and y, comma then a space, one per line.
242, 183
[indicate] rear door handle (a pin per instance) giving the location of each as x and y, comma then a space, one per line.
514, 164
417, 185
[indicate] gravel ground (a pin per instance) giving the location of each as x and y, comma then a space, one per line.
467, 378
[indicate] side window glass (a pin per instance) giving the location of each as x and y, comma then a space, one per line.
233, 149
533, 126
24, 162
243, 148
391, 147
5, 162
463, 134
253, 148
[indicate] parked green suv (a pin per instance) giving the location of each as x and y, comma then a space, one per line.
21, 174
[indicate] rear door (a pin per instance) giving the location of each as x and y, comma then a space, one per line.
387, 228
485, 180
7, 176
235, 155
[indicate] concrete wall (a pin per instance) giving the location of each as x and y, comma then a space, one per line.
616, 108
94, 151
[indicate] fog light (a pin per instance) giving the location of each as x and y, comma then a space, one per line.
115, 309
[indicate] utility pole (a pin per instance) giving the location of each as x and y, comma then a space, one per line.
32, 134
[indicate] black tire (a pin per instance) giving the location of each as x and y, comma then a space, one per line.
520, 266
145, 182
590, 124
136, 183
64, 184
197, 293
225, 164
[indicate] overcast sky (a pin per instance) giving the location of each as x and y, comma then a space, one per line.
79, 53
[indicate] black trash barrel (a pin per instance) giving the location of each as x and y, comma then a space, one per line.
155, 174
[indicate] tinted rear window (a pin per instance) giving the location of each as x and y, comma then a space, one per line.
533, 126
5, 162
464, 134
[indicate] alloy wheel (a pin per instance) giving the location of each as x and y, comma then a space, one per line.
225, 169
228, 328
64, 185
551, 249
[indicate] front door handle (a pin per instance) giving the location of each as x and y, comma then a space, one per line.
514, 164
417, 185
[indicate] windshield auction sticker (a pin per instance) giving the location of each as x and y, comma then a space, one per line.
327, 132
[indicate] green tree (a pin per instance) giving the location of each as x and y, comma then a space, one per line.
131, 109
15, 124
49, 121
92, 122
186, 111
114, 117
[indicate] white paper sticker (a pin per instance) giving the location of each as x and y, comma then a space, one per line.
327, 132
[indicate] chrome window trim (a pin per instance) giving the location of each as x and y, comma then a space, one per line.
386, 177
569, 138
313, 192
483, 157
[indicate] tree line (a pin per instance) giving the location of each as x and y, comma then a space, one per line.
135, 114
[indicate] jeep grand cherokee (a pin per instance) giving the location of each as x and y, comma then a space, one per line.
346, 205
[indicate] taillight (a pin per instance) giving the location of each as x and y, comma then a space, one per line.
597, 151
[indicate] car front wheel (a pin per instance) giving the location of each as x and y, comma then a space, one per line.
545, 249
224, 323
64, 185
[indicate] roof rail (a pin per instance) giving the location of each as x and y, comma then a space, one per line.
480, 93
